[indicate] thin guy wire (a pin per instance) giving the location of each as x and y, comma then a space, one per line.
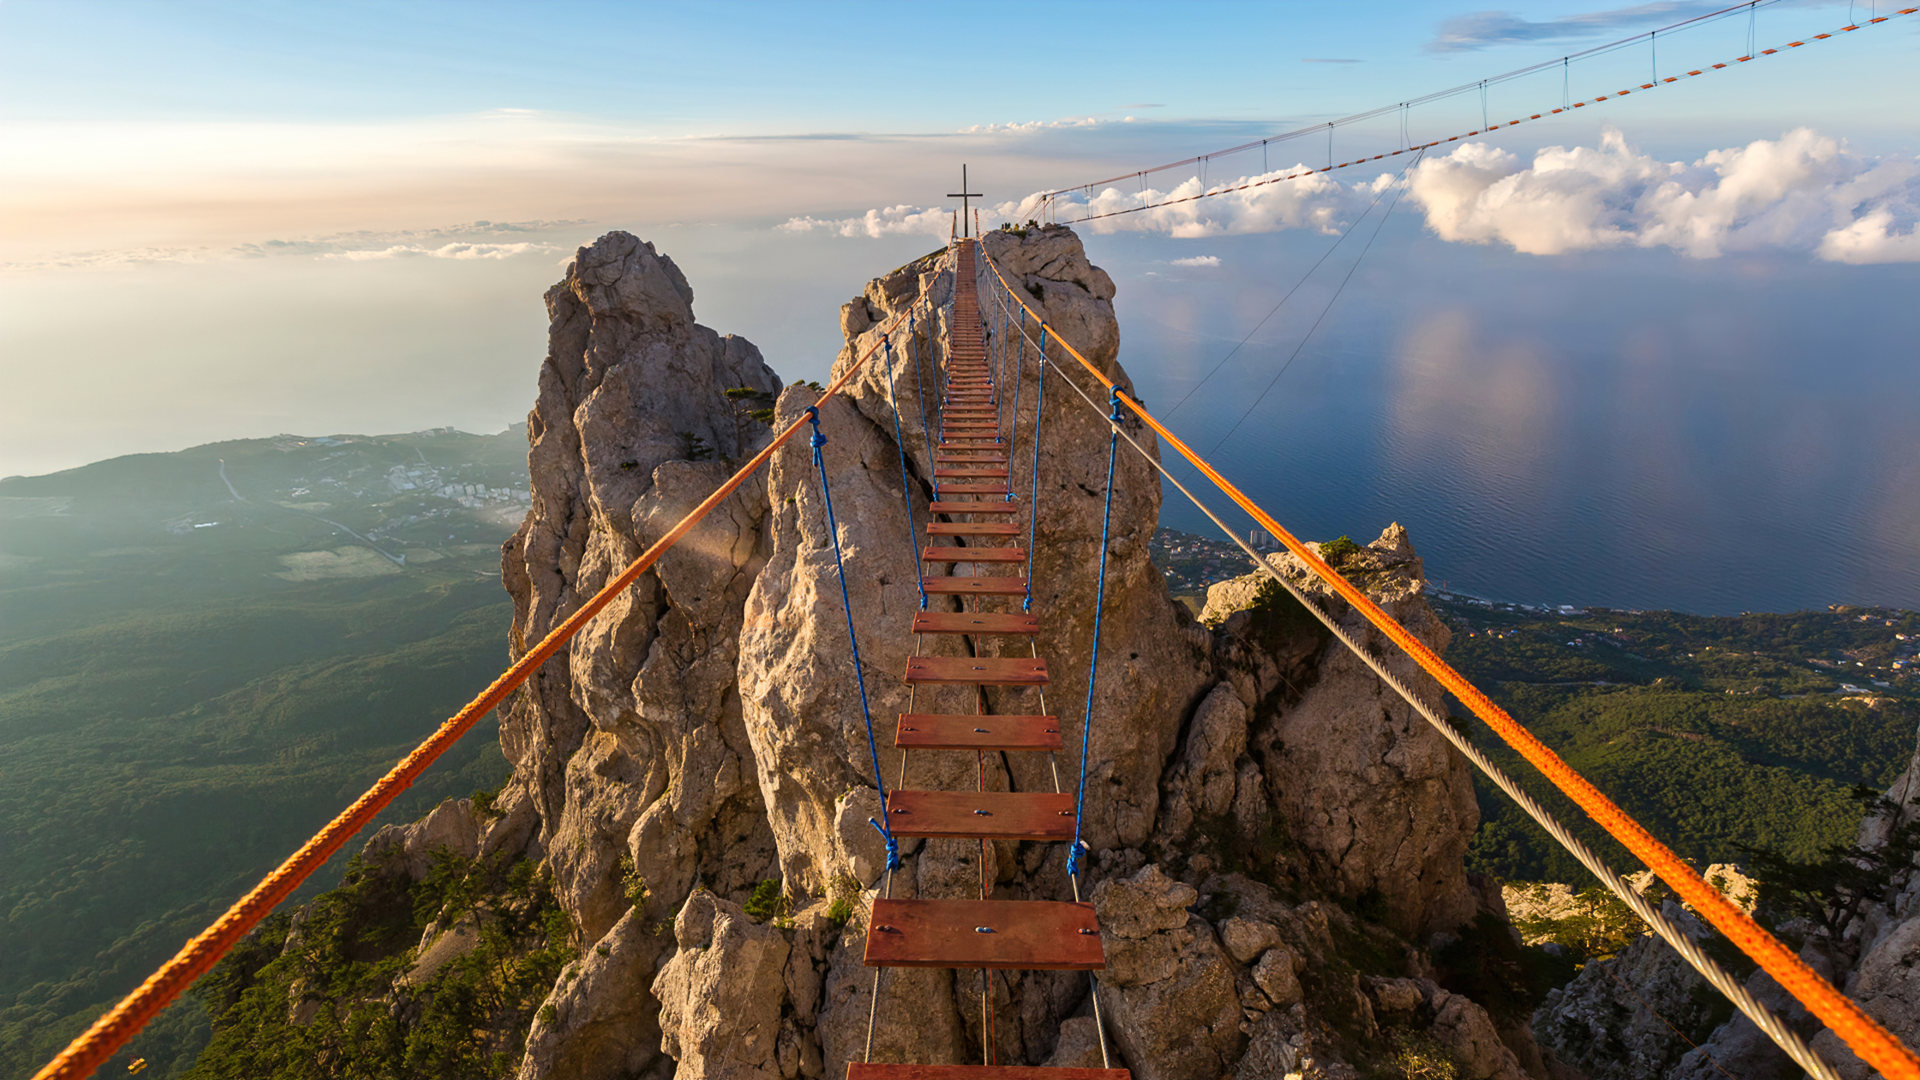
1231, 353
1325, 311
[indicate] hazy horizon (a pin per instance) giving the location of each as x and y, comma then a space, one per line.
236, 222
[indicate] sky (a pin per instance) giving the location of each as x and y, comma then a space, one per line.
221, 220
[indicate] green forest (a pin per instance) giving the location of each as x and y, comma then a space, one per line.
181, 706
1721, 734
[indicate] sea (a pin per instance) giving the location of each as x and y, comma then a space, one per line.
1623, 428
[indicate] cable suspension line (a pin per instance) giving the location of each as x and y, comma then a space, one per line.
1332, 300
1049, 201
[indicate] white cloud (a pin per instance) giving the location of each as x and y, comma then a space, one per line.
1025, 127
469, 241
1198, 260
1801, 192
464, 251
887, 221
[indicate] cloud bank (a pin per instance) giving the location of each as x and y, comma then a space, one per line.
488, 240
1197, 260
1803, 192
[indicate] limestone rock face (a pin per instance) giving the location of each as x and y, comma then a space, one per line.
601, 1024
1611, 1036
721, 993
1377, 797
796, 670
1169, 987
631, 743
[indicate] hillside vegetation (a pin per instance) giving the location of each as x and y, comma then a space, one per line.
193, 678
1720, 734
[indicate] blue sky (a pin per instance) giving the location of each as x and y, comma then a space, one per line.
380, 192
791, 68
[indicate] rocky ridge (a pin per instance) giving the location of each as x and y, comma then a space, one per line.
1277, 841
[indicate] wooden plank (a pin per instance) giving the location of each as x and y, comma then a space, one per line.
973, 554
1047, 935
975, 622
952, 731
967, 487
973, 506
977, 670
971, 454
969, 470
959, 585
874, 1070
1041, 816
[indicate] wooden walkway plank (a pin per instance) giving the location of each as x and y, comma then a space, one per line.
987, 623
992, 731
966, 585
969, 487
973, 555
874, 1070
1047, 935
977, 670
1041, 816
973, 506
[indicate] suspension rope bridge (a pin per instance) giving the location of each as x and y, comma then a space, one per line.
975, 525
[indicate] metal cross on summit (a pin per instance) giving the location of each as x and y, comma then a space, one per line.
963, 195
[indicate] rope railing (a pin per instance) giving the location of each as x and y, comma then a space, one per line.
1681, 942
111, 1031
1864, 1035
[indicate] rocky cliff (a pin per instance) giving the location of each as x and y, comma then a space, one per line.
1277, 841
1646, 1015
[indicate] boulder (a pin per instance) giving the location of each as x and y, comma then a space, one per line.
1169, 987
599, 1023
721, 994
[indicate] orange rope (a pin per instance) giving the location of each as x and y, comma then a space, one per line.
1871, 1042
112, 1031
1210, 193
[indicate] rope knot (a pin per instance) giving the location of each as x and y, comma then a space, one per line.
1073, 857
893, 846
1113, 398
813, 417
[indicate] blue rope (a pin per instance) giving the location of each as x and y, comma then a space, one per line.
999, 376
1093, 663
920, 389
906, 490
1033, 499
846, 604
1013, 424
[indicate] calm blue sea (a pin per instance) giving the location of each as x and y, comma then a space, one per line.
1629, 429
